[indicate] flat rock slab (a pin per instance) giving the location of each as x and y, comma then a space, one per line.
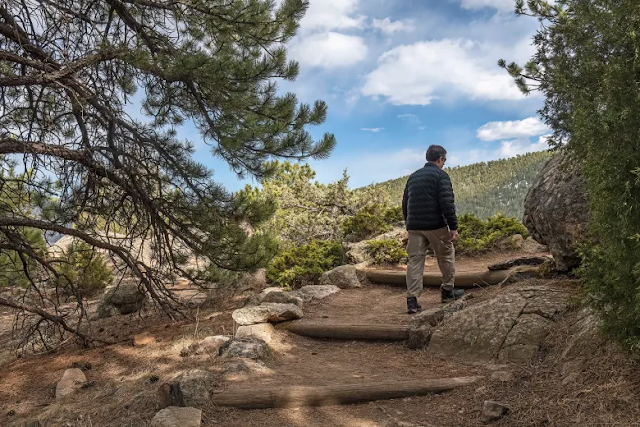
508, 328
250, 348
174, 416
72, 380
266, 312
344, 277
311, 292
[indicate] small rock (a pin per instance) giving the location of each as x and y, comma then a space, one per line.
311, 292
419, 337
504, 376
344, 277
570, 378
258, 298
145, 338
242, 369
174, 416
251, 348
263, 331
492, 411
72, 380
266, 312
209, 345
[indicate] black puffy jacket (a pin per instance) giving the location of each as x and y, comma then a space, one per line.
428, 202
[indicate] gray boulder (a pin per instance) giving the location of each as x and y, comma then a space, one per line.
555, 209
344, 277
311, 292
283, 298
196, 386
123, 298
248, 347
266, 312
508, 328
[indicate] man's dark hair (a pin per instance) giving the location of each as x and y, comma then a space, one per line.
434, 152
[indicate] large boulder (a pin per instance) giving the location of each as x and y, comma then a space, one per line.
344, 277
555, 209
123, 298
508, 328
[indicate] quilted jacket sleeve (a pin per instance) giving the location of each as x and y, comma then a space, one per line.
405, 200
447, 201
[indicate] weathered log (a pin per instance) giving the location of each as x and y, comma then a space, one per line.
292, 397
514, 262
462, 280
347, 331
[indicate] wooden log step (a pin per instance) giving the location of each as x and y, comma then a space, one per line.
292, 397
347, 331
462, 280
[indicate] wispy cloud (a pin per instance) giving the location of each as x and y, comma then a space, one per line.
372, 129
388, 26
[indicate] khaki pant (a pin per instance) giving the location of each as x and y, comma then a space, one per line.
417, 250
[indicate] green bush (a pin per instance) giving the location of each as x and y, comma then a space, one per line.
12, 271
84, 270
371, 220
305, 264
477, 235
386, 251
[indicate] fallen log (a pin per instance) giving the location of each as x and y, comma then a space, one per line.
348, 332
462, 280
293, 397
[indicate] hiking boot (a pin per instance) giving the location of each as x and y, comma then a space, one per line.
412, 305
451, 295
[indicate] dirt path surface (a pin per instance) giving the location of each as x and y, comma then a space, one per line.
125, 378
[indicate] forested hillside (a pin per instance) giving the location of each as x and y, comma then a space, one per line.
485, 188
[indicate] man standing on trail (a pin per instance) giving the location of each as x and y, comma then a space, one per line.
430, 216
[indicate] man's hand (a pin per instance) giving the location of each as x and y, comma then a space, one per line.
454, 235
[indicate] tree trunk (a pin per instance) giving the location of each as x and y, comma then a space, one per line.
348, 332
292, 397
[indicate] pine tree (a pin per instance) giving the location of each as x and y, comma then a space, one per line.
71, 72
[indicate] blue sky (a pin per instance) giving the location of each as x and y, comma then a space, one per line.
400, 75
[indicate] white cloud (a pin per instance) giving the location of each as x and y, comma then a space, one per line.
522, 146
419, 73
388, 26
374, 130
502, 5
331, 14
329, 50
494, 131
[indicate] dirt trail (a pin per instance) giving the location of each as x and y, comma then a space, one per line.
126, 378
